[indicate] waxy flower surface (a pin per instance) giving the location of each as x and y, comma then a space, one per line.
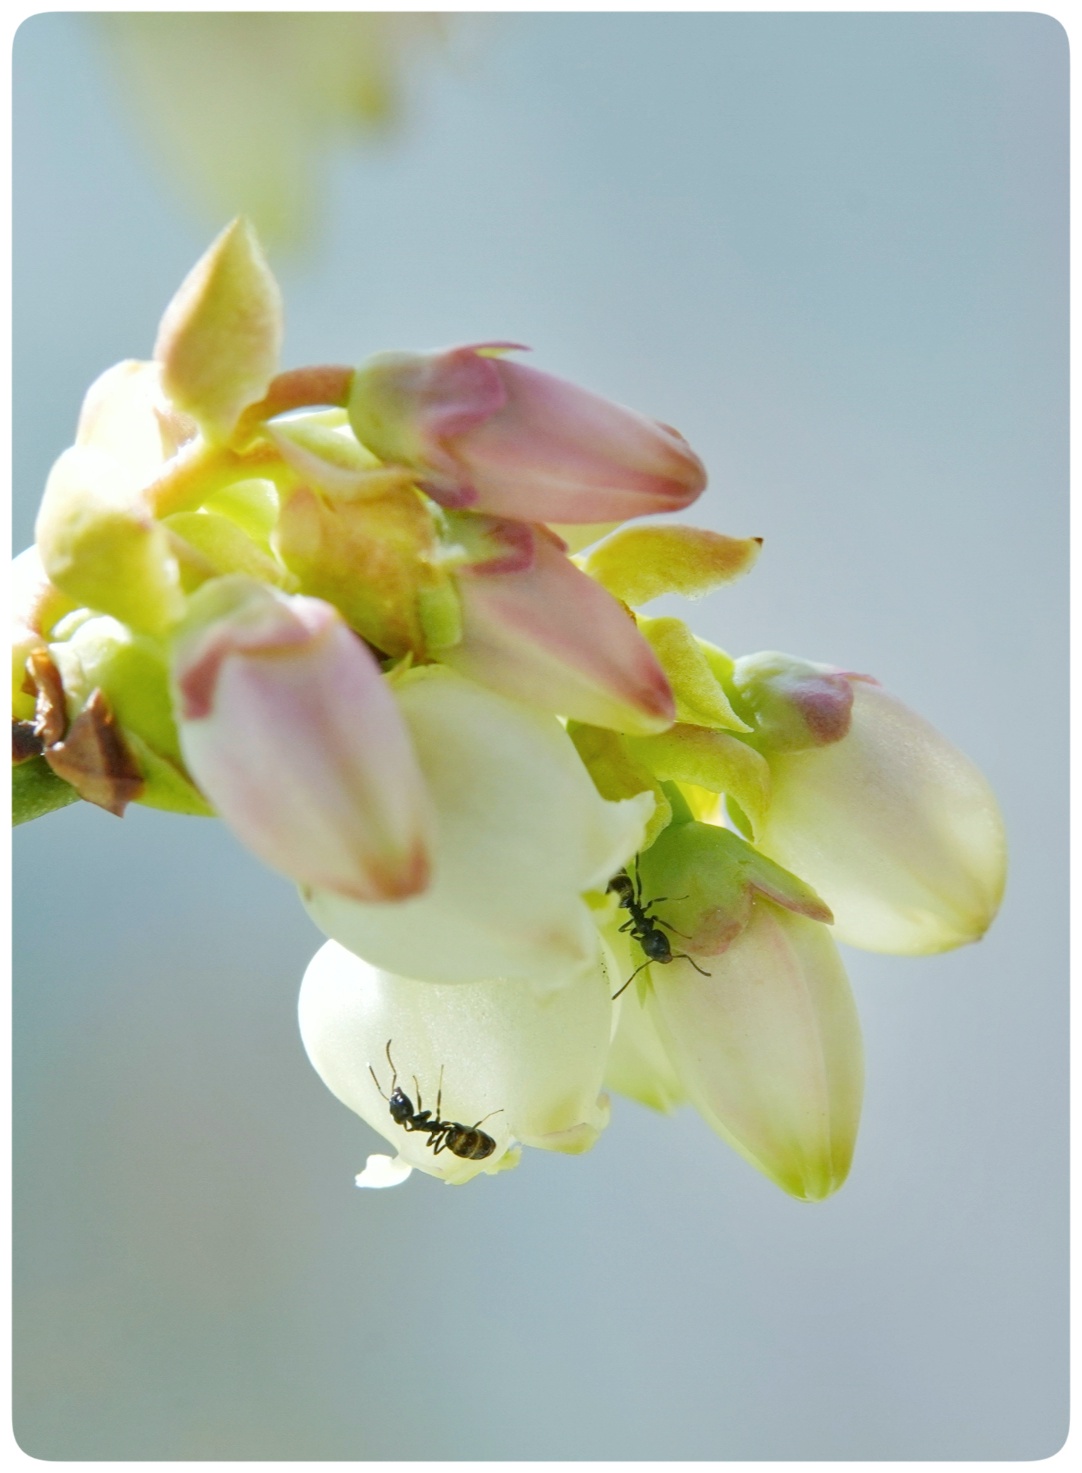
386, 623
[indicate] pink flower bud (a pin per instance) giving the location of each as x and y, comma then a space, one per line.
289, 728
483, 432
535, 627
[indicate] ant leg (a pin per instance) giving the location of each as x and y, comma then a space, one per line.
659, 922
439, 1094
631, 979
375, 1081
487, 1117
683, 956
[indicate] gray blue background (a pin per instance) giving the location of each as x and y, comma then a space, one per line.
831, 249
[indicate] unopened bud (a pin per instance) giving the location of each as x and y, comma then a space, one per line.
536, 627
288, 726
484, 432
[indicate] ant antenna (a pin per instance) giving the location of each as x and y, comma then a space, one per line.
631, 979
683, 954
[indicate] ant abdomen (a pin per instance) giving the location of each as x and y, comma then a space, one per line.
468, 1142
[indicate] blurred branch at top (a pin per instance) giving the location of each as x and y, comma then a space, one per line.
241, 107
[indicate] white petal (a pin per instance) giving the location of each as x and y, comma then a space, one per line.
894, 827
490, 1054
521, 833
768, 1048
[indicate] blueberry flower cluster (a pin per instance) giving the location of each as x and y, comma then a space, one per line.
384, 622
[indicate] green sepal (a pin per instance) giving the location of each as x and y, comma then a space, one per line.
700, 698
616, 774
252, 504
36, 790
720, 662
637, 564
226, 548
166, 787
739, 818
710, 876
132, 672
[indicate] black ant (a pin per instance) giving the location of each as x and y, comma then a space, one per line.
466, 1141
644, 927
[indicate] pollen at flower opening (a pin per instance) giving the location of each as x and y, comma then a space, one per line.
386, 624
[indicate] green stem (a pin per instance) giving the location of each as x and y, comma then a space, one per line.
681, 813
199, 470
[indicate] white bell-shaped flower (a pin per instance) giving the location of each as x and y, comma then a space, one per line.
482, 1066
895, 828
768, 1048
521, 834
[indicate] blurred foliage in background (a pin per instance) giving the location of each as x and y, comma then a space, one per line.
241, 107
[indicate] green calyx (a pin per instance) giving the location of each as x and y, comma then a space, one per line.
130, 673
709, 876
685, 768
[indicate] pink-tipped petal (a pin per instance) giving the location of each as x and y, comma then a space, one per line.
290, 729
480, 430
551, 636
558, 453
